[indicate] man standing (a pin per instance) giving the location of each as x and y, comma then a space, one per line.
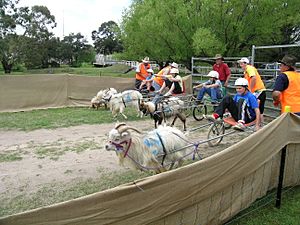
287, 86
141, 72
256, 85
223, 69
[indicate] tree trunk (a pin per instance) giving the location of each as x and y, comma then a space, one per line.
6, 66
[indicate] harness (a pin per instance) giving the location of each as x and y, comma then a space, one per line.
120, 146
164, 148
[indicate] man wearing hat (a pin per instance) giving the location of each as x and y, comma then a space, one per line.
222, 68
141, 72
256, 85
287, 86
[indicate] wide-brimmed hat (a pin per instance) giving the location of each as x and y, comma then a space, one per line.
288, 60
146, 60
244, 60
218, 56
213, 74
175, 65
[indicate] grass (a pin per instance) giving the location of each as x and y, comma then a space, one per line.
54, 193
10, 156
264, 212
62, 117
113, 71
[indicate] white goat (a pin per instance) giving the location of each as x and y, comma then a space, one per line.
118, 102
98, 100
158, 149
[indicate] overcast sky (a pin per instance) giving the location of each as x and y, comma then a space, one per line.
84, 16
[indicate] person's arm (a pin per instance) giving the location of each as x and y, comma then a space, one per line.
281, 84
228, 75
252, 82
257, 121
198, 86
162, 88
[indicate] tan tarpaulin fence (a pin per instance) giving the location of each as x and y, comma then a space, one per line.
210, 191
19, 93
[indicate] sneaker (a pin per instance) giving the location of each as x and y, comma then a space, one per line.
239, 126
199, 102
213, 118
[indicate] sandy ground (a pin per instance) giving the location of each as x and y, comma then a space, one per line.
67, 155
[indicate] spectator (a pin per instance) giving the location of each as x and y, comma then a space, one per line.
287, 86
256, 85
141, 72
223, 69
173, 82
148, 81
243, 106
158, 80
213, 87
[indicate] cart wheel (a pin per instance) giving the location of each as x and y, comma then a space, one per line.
215, 130
199, 111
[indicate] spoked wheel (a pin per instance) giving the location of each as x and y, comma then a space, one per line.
199, 111
215, 130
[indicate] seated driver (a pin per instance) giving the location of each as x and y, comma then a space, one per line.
243, 106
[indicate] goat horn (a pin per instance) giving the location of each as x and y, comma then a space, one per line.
118, 125
125, 128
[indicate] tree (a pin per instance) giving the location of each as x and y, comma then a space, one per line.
107, 38
75, 50
29, 46
180, 29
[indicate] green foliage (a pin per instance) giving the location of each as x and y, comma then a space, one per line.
107, 38
179, 29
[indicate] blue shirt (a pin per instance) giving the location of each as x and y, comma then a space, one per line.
250, 100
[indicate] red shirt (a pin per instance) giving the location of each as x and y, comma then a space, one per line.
223, 71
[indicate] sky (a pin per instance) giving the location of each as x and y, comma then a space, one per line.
84, 16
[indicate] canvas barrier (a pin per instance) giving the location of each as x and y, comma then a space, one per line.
210, 191
20, 93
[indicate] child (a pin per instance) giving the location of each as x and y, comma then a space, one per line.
213, 87
148, 80
243, 106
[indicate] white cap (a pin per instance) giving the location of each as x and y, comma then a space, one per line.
241, 82
244, 60
214, 74
150, 71
174, 70
175, 65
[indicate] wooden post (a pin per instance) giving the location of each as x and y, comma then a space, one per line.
281, 176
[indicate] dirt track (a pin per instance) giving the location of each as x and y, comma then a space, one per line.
67, 155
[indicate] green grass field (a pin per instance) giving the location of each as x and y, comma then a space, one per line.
89, 70
55, 118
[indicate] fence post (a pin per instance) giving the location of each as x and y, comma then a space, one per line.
281, 176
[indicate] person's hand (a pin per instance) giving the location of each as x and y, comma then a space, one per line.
276, 103
226, 84
257, 127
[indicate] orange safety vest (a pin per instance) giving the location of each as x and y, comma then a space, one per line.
291, 95
259, 85
143, 72
158, 79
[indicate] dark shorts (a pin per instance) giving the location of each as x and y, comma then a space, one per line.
177, 89
262, 100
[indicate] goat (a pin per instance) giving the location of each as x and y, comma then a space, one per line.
98, 100
118, 102
147, 151
165, 109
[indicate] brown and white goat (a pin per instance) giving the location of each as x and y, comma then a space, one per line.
157, 150
165, 109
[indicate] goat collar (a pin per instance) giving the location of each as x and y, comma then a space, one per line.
120, 146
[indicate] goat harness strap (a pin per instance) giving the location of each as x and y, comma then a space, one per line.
123, 101
164, 148
119, 145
